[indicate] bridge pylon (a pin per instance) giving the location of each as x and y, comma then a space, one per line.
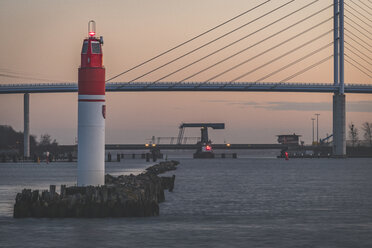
339, 98
339, 125
26, 125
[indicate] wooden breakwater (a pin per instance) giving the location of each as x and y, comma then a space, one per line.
122, 196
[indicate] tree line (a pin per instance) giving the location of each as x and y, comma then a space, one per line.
12, 141
366, 132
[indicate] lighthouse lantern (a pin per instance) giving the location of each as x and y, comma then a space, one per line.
92, 28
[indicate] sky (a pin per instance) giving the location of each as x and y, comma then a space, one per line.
41, 43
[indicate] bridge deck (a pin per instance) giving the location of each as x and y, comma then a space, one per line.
186, 86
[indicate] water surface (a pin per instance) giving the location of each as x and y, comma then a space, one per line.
245, 202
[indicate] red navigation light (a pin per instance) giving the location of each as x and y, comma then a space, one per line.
92, 28
208, 148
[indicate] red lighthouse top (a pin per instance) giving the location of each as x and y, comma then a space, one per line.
91, 71
91, 53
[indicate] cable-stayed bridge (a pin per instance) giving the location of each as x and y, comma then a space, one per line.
298, 41
189, 86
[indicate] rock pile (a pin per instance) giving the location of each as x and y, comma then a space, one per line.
122, 196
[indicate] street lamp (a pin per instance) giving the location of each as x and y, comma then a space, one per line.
313, 119
317, 128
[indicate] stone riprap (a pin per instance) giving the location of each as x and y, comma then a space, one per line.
122, 196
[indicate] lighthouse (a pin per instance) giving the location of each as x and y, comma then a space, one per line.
91, 112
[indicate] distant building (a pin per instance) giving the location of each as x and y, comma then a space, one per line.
289, 139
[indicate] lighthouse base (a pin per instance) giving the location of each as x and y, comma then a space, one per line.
91, 142
86, 178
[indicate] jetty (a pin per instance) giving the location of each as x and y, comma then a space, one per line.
122, 196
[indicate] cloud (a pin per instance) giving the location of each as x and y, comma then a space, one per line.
245, 103
229, 102
360, 106
217, 101
356, 106
297, 106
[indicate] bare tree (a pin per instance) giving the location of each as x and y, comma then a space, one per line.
367, 129
353, 134
45, 140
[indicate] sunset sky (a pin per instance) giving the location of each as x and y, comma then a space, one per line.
41, 43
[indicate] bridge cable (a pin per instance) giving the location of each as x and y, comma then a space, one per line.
210, 42
348, 36
250, 34
285, 54
294, 62
360, 7
188, 41
357, 37
357, 24
7, 75
258, 55
357, 11
346, 59
4, 72
257, 43
357, 17
356, 49
358, 63
365, 4
306, 69
350, 50
347, 22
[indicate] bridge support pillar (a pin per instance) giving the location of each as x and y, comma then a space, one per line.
26, 125
339, 125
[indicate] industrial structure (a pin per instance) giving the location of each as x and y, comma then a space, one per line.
172, 139
203, 129
289, 139
204, 146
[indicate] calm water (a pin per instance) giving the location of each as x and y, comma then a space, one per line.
247, 202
